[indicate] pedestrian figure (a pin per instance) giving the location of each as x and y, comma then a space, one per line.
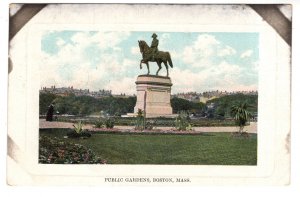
50, 111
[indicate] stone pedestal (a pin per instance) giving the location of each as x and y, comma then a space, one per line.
153, 95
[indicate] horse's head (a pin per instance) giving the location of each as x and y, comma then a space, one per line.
143, 46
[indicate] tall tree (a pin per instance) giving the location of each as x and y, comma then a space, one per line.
241, 114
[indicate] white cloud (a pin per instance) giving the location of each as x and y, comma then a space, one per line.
129, 64
163, 40
124, 85
226, 51
135, 50
60, 42
189, 55
223, 76
246, 54
205, 73
104, 40
175, 55
201, 53
205, 41
71, 66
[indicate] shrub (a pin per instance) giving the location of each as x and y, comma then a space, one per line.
150, 124
139, 124
55, 151
99, 123
78, 131
109, 123
73, 134
182, 122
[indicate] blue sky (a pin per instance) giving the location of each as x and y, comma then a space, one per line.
203, 61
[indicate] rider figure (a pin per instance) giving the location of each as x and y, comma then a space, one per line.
154, 46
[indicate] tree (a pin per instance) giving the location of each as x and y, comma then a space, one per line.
241, 114
224, 103
45, 100
179, 104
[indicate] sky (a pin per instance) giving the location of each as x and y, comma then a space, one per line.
202, 61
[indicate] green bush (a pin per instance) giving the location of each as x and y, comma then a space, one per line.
99, 124
139, 124
109, 123
73, 134
105, 123
182, 122
55, 151
150, 124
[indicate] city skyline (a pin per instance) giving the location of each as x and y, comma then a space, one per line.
71, 89
110, 60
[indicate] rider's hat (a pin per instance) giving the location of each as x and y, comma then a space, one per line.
154, 35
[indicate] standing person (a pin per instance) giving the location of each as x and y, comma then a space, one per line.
50, 111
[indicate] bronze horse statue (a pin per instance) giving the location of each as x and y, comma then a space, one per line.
160, 57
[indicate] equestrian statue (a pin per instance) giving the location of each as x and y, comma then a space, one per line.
152, 54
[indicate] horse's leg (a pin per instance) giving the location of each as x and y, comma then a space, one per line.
166, 65
141, 64
159, 67
148, 68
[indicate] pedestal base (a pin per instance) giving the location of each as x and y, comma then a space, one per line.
153, 95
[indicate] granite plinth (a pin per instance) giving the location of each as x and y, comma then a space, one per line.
153, 95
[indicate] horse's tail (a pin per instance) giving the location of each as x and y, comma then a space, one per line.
169, 59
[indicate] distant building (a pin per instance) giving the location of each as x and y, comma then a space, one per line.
65, 91
209, 95
122, 95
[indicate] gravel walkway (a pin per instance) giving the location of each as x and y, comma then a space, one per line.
252, 128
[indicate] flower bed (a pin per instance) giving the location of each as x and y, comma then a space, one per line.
135, 131
55, 151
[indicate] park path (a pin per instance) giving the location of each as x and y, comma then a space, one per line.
252, 128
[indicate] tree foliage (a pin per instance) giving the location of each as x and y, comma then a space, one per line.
222, 105
86, 105
45, 100
179, 104
241, 114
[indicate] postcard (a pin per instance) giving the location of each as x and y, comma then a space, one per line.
130, 94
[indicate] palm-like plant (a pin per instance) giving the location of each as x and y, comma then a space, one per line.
78, 127
241, 114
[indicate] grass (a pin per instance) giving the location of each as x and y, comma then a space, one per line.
205, 149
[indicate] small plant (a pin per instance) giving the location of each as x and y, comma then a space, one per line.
78, 131
189, 127
182, 122
99, 124
78, 127
150, 125
109, 123
139, 124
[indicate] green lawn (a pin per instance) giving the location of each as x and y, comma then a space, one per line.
204, 149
